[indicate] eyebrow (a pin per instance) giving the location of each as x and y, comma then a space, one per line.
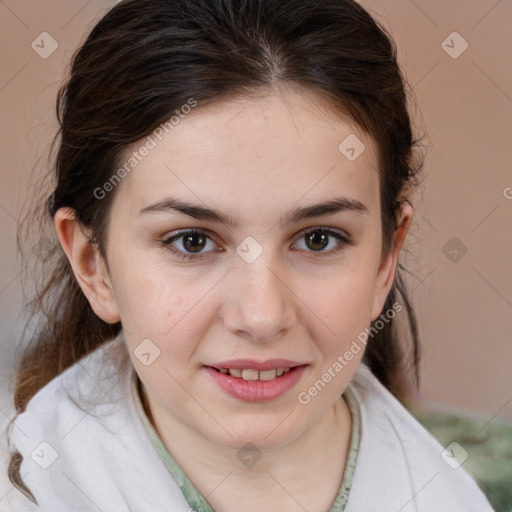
330, 207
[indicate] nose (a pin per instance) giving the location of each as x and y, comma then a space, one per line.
260, 304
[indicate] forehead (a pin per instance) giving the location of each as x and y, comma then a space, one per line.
264, 153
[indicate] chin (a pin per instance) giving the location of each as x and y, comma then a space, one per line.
266, 434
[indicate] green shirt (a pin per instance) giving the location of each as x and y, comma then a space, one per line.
199, 503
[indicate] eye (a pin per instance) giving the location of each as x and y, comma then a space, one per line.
318, 238
189, 244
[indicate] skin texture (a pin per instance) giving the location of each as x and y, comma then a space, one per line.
254, 159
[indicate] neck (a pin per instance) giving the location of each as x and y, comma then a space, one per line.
279, 479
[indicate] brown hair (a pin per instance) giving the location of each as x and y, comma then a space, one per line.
143, 60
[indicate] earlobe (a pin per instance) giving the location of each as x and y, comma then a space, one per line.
88, 266
387, 269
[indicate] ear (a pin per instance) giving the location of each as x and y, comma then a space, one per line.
386, 272
88, 266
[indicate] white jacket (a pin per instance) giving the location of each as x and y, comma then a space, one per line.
85, 449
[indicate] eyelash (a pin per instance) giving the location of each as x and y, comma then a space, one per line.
167, 242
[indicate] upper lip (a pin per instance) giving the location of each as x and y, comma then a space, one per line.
268, 364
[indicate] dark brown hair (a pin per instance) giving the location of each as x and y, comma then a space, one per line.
146, 58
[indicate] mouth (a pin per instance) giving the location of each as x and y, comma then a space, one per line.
251, 385
253, 374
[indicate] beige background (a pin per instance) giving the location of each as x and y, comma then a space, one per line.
464, 106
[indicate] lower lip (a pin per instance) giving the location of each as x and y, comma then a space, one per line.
256, 390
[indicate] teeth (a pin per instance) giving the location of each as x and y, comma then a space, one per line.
251, 374
268, 374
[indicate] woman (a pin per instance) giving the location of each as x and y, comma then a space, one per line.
232, 192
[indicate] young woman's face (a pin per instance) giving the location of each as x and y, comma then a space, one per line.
264, 276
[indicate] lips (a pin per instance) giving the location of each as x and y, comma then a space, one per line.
256, 381
253, 364
252, 374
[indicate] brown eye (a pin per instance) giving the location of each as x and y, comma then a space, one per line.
189, 244
318, 239
194, 242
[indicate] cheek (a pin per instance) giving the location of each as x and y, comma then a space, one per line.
164, 304
343, 304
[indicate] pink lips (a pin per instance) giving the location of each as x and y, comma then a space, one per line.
256, 365
256, 390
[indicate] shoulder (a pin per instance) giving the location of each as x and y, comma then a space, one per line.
406, 465
82, 441
65, 421
88, 382
84, 392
